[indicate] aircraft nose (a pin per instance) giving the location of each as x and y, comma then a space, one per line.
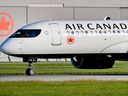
5, 47
8, 47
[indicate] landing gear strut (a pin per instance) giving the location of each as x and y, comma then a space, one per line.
30, 69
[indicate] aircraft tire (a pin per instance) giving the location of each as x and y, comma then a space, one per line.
29, 71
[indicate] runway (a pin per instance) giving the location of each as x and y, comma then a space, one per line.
63, 77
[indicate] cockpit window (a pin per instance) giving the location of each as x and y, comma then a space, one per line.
26, 33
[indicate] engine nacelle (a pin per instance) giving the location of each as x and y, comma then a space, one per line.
93, 62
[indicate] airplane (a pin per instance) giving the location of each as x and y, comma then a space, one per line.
91, 44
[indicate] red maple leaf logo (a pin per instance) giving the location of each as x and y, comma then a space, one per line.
4, 24
70, 39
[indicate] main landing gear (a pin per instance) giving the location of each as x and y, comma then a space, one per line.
30, 69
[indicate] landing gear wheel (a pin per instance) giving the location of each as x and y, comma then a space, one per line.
29, 71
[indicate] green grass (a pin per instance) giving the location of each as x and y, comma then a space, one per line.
120, 67
67, 88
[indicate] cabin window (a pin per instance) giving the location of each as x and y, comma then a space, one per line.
95, 31
123, 31
100, 31
114, 31
109, 31
67, 32
82, 32
26, 33
118, 31
77, 32
86, 31
91, 32
72, 32
105, 31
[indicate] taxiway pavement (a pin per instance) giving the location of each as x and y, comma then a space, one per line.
63, 77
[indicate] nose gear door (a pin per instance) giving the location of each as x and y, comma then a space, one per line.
56, 34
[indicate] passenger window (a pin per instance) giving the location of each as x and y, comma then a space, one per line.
105, 31
77, 32
68, 32
82, 31
123, 31
91, 32
95, 31
26, 33
118, 31
100, 32
114, 31
86, 31
109, 31
72, 32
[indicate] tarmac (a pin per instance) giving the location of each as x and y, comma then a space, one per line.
63, 77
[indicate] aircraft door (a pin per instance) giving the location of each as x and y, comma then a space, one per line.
56, 34
20, 46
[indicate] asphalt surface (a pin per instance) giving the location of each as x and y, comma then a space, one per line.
63, 77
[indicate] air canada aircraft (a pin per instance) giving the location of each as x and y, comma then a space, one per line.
91, 44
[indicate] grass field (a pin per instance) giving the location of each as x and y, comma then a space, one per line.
67, 88
120, 67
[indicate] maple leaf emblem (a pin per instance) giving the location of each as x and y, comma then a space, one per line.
4, 25
70, 39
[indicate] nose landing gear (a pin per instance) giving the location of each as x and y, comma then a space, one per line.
30, 69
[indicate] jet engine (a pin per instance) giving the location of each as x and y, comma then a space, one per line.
93, 62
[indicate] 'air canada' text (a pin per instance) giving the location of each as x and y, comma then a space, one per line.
96, 26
